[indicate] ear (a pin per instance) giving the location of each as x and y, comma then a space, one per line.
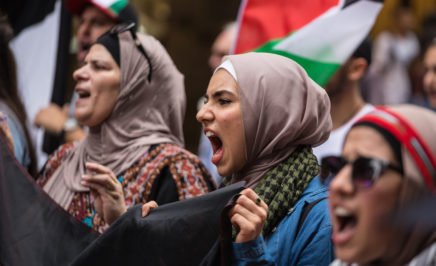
357, 68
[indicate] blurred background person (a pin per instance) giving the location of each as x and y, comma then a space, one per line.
388, 161
347, 103
393, 51
430, 74
132, 98
5, 131
222, 44
11, 103
94, 19
220, 48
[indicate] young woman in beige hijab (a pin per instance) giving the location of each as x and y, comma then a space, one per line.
262, 115
132, 98
388, 161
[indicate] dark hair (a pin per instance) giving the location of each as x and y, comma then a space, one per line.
364, 50
9, 89
428, 34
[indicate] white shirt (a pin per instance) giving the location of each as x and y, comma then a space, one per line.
333, 145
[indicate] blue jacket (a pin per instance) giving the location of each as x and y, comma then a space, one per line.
311, 246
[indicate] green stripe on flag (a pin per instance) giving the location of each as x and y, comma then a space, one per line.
117, 6
320, 72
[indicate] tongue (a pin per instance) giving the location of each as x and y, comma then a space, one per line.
217, 155
345, 232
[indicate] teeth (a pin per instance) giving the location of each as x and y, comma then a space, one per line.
341, 212
209, 134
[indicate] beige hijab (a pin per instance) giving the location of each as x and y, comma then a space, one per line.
408, 244
282, 108
145, 113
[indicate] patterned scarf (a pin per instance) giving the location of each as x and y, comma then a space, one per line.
284, 184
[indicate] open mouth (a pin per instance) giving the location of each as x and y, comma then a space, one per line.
217, 146
83, 94
346, 223
85, 47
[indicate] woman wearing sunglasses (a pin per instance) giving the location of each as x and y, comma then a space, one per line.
388, 162
132, 98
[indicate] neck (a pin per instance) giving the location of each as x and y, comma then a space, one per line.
345, 105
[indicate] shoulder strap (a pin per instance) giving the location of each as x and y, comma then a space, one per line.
306, 210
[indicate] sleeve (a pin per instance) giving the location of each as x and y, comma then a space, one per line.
53, 162
5, 131
319, 251
251, 253
164, 189
313, 244
184, 178
192, 177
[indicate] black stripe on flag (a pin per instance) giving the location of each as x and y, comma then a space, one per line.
350, 2
24, 13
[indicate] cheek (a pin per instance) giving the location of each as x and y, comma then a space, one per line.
427, 81
378, 204
106, 99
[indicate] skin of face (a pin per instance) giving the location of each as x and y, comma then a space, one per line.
221, 116
92, 24
98, 86
370, 237
220, 48
430, 75
349, 74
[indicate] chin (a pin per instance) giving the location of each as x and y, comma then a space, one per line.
433, 103
223, 172
346, 255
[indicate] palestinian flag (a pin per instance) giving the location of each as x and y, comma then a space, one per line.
320, 38
112, 8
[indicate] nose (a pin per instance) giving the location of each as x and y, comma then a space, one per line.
342, 183
80, 73
84, 29
205, 114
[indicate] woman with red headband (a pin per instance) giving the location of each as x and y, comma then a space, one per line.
388, 161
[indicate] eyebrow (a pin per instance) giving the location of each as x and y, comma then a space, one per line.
219, 93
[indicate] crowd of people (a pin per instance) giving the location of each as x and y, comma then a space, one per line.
328, 175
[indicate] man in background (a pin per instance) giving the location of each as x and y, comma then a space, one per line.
347, 104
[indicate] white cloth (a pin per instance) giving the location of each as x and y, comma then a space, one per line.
389, 81
333, 145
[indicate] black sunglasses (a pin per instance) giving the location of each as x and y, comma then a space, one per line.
131, 28
366, 171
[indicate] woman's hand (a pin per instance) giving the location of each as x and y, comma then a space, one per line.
248, 216
147, 207
107, 192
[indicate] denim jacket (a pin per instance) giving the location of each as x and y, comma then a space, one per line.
311, 245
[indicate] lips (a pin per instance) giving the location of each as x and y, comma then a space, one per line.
217, 146
83, 96
83, 93
344, 225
